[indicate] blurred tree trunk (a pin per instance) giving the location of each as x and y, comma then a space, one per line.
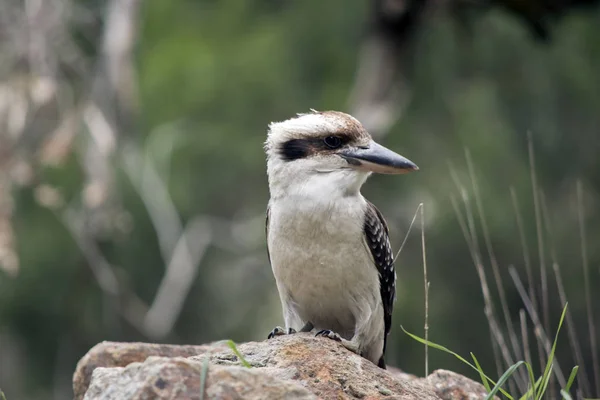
382, 84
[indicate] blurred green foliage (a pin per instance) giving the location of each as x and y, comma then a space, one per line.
212, 75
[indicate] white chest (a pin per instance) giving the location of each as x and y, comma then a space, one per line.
319, 258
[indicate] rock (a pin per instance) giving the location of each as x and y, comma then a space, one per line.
109, 354
179, 378
297, 366
452, 386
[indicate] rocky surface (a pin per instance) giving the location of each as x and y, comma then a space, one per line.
297, 366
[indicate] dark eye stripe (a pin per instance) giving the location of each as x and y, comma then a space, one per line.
295, 149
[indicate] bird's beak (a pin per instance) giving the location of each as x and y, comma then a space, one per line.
378, 159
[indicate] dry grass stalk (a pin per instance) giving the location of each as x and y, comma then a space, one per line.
586, 282
540, 237
426, 284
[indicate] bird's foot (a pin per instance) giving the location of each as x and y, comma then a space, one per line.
348, 344
279, 331
329, 334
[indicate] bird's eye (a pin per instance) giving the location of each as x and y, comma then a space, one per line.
333, 142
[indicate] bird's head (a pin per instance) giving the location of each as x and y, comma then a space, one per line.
320, 152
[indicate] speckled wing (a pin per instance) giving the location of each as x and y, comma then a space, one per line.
377, 238
267, 232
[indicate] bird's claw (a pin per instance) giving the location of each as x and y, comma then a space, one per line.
279, 331
329, 334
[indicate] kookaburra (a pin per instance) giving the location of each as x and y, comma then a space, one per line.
328, 246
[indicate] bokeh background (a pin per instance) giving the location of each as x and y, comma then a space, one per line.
133, 186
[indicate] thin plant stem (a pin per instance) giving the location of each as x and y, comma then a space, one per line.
525, 336
408, 232
426, 283
524, 245
586, 281
497, 356
540, 237
551, 387
528, 266
538, 328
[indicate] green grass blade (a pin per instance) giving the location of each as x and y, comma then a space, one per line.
2, 396
439, 347
235, 350
548, 369
545, 382
509, 372
565, 395
203, 374
446, 350
534, 384
484, 380
567, 388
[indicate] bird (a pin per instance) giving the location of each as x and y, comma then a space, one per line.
328, 246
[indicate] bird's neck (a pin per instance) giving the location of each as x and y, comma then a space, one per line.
321, 187
317, 209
